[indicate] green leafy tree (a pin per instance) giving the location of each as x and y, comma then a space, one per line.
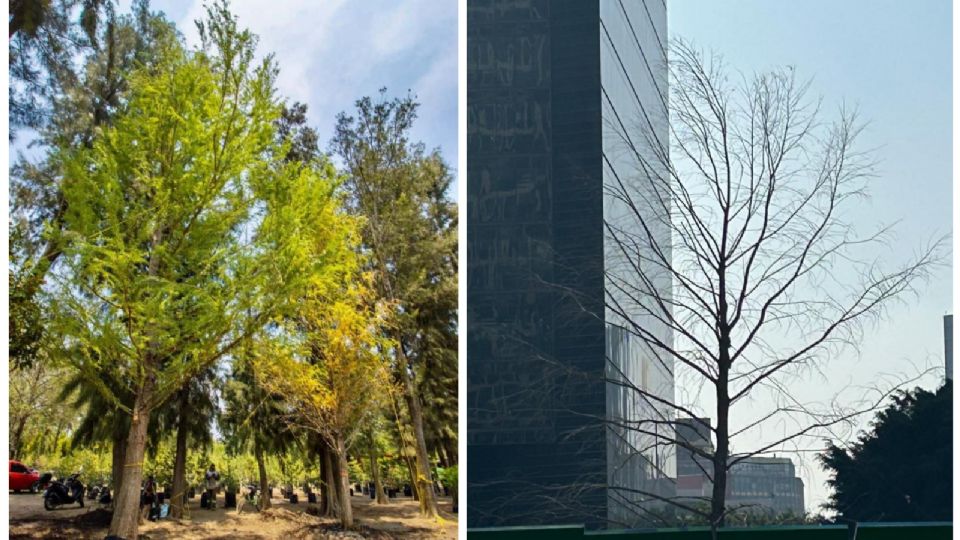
45, 36
92, 462
102, 420
292, 128
79, 89
253, 417
26, 310
371, 442
183, 229
901, 469
159, 462
410, 233
190, 413
450, 478
437, 372
32, 404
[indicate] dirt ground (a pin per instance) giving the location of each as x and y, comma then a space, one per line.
398, 519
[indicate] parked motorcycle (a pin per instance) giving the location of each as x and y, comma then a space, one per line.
42, 484
94, 492
252, 491
104, 497
60, 493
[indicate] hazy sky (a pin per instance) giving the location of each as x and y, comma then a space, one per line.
893, 60
333, 52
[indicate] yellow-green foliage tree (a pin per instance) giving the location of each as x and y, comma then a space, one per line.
93, 462
410, 233
186, 231
336, 376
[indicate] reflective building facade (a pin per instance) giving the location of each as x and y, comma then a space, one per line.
552, 86
948, 346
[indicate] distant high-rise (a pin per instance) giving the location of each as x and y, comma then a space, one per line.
948, 344
548, 365
694, 471
757, 484
695, 432
765, 483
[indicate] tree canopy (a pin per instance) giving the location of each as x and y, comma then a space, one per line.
901, 468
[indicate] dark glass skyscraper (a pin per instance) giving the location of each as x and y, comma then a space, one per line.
552, 88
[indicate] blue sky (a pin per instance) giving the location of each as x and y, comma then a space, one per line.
333, 52
893, 60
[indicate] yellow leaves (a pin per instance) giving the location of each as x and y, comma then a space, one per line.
331, 365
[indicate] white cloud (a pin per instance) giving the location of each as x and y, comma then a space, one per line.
295, 32
332, 52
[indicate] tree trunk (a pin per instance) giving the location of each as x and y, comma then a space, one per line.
42, 446
455, 496
413, 479
343, 484
721, 457
441, 454
119, 452
126, 510
452, 452
375, 471
17, 446
330, 479
424, 480
324, 490
179, 498
56, 436
264, 481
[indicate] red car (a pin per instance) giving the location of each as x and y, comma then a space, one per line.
22, 477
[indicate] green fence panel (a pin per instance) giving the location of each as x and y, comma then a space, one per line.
897, 531
833, 532
559, 532
865, 531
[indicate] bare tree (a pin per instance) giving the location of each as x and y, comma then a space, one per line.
731, 238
